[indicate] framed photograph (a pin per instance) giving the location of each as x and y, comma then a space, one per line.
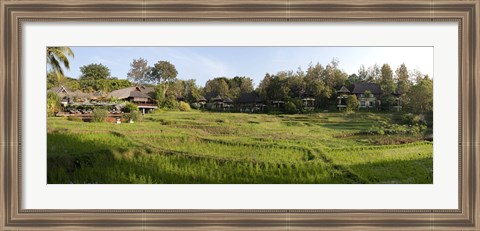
303, 115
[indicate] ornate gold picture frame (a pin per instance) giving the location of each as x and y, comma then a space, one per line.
13, 13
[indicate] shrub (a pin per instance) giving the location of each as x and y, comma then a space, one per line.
182, 106
169, 102
352, 103
130, 107
53, 104
99, 115
134, 116
75, 118
195, 105
290, 108
412, 119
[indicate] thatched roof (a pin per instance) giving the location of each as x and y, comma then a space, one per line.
128, 92
137, 94
217, 99
360, 88
228, 100
343, 90
202, 99
60, 90
79, 94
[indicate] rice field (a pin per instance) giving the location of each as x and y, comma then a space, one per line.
197, 147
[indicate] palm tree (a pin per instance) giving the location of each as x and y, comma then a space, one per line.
57, 56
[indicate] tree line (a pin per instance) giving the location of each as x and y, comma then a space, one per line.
317, 81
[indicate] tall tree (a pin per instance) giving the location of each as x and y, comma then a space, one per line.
163, 72
313, 80
417, 75
422, 92
403, 79
58, 56
362, 73
404, 84
333, 77
94, 71
139, 71
263, 86
386, 79
374, 73
216, 87
387, 85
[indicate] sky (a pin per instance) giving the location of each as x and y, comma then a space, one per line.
204, 63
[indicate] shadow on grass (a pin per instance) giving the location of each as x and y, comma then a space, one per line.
75, 160
419, 171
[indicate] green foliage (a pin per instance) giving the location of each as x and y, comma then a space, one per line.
411, 119
106, 85
75, 119
236, 148
290, 108
216, 87
352, 103
133, 116
168, 102
99, 115
387, 85
52, 79
422, 97
403, 79
94, 71
182, 106
58, 57
139, 71
130, 107
53, 104
409, 124
164, 73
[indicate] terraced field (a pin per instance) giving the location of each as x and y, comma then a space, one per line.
236, 148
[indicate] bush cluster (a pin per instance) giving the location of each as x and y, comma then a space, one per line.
134, 116
385, 128
129, 107
99, 115
182, 106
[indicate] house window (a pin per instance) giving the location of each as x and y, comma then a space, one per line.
362, 95
362, 103
371, 104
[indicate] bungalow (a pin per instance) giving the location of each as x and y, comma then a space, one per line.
250, 102
140, 95
202, 101
220, 103
217, 102
308, 103
342, 95
396, 105
367, 94
63, 93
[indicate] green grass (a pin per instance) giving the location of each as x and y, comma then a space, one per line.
202, 147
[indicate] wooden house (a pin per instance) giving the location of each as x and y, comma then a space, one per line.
396, 105
250, 102
217, 102
140, 95
202, 101
227, 104
342, 96
367, 95
308, 103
